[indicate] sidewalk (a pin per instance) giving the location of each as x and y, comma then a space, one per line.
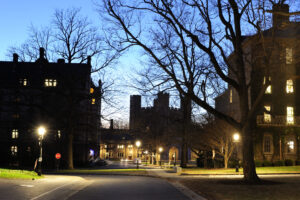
172, 178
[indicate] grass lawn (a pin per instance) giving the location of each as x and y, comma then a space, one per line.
18, 174
104, 171
272, 188
259, 170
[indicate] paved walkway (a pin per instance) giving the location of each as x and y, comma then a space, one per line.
173, 177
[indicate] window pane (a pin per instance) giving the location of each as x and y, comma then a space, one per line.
289, 86
290, 115
289, 55
267, 117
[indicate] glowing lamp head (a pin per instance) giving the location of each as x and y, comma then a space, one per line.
41, 131
160, 149
138, 143
236, 137
146, 152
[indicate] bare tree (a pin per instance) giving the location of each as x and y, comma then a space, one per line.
216, 135
170, 31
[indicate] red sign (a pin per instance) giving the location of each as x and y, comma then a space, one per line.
58, 156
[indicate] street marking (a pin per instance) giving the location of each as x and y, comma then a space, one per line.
30, 186
51, 190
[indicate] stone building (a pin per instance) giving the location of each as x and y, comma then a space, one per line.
277, 131
59, 96
158, 126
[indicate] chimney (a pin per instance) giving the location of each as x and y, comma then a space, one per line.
15, 57
89, 59
42, 52
280, 14
61, 61
111, 124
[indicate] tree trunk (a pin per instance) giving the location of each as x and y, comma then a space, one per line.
250, 175
186, 106
70, 149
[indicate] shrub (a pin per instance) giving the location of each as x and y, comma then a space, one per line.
258, 163
266, 163
297, 162
289, 162
279, 163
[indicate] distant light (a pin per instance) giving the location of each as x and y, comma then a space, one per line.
146, 152
41, 131
236, 137
92, 152
160, 149
138, 143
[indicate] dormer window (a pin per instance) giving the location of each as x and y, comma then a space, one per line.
50, 82
288, 55
289, 86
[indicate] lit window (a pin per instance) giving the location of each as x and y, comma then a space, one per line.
23, 81
289, 86
91, 90
267, 116
289, 55
290, 115
269, 88
93, 100
50, 83
14, 134
130, 146
267, 144
14, 150
120, 146
105, 146
290, 146
230, 96
58, 134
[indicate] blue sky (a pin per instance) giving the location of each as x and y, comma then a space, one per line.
17, 15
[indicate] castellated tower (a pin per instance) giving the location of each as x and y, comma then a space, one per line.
135, 109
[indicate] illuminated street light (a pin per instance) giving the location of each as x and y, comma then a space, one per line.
41, 132
137, 144
160, 149
236, 139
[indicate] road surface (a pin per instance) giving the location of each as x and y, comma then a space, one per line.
89, 188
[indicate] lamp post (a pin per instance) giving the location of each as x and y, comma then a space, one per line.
146, 156
41, 131
236, 140
160, 149
138, 144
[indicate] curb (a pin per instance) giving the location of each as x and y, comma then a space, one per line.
186, 191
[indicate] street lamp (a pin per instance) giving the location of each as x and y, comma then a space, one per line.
146, 156
236, 140
160, 149
41, 131
138, 144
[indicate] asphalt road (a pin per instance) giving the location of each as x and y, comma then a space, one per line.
89, 188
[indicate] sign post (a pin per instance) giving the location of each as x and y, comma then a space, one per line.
57, 159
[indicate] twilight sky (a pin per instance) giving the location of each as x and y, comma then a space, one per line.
17, 15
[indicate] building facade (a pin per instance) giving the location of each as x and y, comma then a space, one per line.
277, 131
158, 126
59, 96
